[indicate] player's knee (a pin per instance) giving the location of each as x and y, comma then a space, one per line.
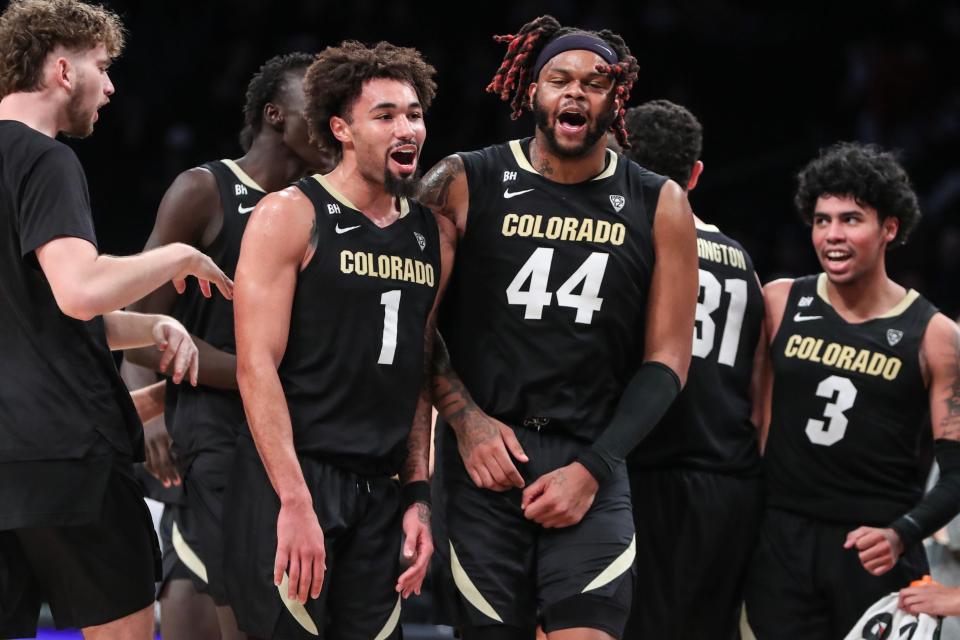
588, 611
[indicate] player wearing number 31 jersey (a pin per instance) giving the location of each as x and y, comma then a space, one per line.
858, 361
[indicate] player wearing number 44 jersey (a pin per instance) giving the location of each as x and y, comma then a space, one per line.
858, 362
334, 322
569, 320
697, 476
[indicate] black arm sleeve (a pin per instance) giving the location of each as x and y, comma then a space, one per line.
941, 504
647, 397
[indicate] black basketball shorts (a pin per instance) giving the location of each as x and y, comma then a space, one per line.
360, 518
509, 570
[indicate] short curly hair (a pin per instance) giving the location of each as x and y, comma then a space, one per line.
868, 174
31, 29
665, 138
264, 87
335, 80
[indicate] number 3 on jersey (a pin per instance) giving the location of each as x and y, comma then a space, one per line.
537, 270
704, 338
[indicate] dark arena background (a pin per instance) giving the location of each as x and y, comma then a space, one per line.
771, 83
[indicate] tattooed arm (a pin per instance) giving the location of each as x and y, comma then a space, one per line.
879, 549
444, 189
418, 542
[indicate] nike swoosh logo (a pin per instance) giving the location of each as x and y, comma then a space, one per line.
510, 194
242, 209
345, 229
800, 318
605, 49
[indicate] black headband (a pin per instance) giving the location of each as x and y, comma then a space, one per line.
578, 40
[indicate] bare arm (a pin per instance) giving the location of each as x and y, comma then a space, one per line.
190, 212
444, 189
149, 400
275, 245
775, 301
126, 330
941, 351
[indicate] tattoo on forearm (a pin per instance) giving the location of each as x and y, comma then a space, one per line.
417, 464
435, 186
450, 396
950, 424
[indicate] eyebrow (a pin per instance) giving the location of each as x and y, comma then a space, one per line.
391, 105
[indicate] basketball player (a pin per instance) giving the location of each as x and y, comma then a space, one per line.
208, 207
569, 320
697, 475
74, 530
339, 275
858, 362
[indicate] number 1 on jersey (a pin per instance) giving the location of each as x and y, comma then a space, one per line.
537, 270
704, 339
391, 307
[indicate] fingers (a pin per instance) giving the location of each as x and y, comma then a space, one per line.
532, 492
411, 580
508, 474
855, 535
510, 438
293, 577
306, 577
167, 357
876, 551
205, 287
319, 569
195, 367
180, 285
280, 564
225, 287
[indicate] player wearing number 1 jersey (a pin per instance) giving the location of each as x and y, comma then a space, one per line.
858, 363
697, 475
334, 323
569, 321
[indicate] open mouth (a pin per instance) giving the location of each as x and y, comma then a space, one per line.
571, 120
837, 258
405, 158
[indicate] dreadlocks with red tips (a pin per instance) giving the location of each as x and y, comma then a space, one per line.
516, 72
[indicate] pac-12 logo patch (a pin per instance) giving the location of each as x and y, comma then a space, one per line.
618, 202
420, 240
893, 336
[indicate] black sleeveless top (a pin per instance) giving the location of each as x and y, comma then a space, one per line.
849, 410
353, 367
708, 427
544, 317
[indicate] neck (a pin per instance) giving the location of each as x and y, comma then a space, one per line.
271, 163
868, 296
36, 109
564, 169
366, 195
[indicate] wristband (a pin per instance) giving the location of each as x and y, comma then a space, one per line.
416, 491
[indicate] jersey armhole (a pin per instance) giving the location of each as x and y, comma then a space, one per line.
221, 187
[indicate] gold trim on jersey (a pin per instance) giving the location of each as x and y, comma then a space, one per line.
297, 610
188, 556
242, 175
333, 191
468, 589
524, 164
703, 226
897, 309
617, 568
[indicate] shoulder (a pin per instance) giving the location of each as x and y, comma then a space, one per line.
197, 182
775, 295
941, 336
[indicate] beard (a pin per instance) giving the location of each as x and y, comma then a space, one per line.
79, 118
596, 130
401, 187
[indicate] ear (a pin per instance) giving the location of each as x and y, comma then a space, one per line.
890, 226
531, 92
695, 175
63, 73
273, 116
341, 129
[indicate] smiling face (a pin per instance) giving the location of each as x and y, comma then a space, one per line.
849, 238
386, 131
91, 89
573, 103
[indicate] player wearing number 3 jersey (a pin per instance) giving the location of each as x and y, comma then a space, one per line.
569, 320
857, 361
334, 323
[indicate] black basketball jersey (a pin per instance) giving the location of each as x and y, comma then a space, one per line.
353, 368
849, 409
708, 427
545, 313
205, 418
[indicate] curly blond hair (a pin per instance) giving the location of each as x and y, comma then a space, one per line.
31, 29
